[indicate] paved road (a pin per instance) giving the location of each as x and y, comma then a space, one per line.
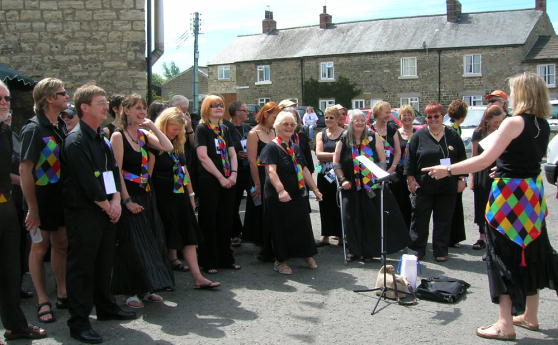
258, 306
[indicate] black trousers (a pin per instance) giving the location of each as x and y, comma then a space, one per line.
10, 274
215, 218
423, 206
243, 183
91, 242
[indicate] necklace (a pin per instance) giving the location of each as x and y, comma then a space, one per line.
266, 130
408, 133
435, 134
131, 136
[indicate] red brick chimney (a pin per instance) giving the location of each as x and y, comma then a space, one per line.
454, 10
325, 19
268, 24
540, 5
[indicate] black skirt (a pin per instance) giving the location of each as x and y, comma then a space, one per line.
330, 214
254, 229
141, 262
457, 232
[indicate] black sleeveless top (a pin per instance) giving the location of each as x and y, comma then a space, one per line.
391, 129
329, 146
131, 162
522, 157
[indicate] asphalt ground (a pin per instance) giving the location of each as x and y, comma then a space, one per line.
256, 305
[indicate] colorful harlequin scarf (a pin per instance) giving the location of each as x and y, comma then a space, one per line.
222, 148
180, 178
298, 168
360, 170
3, 198
143, 179
47, 169
517, 209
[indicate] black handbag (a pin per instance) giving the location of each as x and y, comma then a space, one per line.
551, 172
442, 289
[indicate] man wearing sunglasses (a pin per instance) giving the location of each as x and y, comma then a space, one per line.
41, 142
499, 98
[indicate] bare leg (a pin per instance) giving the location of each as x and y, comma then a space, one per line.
59, 251
36, 268
191, 257
505, 321
531, 311
172, 255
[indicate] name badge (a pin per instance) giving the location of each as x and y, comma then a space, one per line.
445, 162
110, 185
388, 153
243, 143
330, 176
217, 147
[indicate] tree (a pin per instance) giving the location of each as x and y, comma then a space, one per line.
171, 70
342, 90
157, 79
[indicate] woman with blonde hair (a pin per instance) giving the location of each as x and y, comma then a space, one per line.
171, 181
399, 188
217, 174
520, 258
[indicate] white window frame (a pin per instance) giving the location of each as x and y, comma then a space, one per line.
471, 67
263, 100
373, 102
413, 101
327, 71
358, 103
473, 100
263, 73
548, 73
408, 68
326, 102
224, 72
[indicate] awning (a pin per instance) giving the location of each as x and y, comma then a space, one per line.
9, 74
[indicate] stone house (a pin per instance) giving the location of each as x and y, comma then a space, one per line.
181, 84
412, 60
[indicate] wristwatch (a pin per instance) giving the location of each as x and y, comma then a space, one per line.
449, 170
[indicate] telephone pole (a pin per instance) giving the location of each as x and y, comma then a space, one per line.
196, 79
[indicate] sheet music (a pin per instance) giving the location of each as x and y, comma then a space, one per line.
375, 169
488, 142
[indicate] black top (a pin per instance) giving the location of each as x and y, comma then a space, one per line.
477, 136
403, 144
41, 142
346, 158
5, 158
273, 154
304, 144
522, 157
206, 137
239, 133
328, 146
86, 154
425, 151
132, 163
391, 130
163, 172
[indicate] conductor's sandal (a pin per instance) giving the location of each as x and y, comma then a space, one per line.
282, 268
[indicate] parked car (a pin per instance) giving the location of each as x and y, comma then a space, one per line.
474, 116
553, 120
550, 167
252, 112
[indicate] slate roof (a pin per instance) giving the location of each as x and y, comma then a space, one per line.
546, 48
497, 28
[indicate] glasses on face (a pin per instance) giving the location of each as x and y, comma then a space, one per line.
6, 98
490, 101
430, 117
217, 105
289, 124
329, 117
243, 110
62, 93
100, 104
359, 120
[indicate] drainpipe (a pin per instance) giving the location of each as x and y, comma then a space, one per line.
439, 76
301, 80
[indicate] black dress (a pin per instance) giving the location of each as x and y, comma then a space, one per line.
506, 276
361, 214
457, 233
173, 203
330, 214
141, 262
481, 189
399, 188
288, 222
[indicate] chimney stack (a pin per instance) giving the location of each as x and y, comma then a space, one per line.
454, 10
540, 5
268, 24
325, 19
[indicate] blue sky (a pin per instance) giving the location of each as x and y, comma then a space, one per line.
223, 20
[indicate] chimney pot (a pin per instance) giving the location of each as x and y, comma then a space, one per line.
325, 19
453, 10
268, 24
540, 5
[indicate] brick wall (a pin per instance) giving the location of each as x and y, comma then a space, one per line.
182, 85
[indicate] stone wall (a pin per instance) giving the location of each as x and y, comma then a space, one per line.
77, 41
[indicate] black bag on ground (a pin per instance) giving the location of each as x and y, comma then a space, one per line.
442, 289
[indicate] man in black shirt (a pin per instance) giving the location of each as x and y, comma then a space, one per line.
92, 207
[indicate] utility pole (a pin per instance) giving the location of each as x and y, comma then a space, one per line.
148, 57
196, 79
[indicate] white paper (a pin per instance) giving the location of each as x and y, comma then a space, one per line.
243, 143
36, 236
108, 179
217, 147
488, 142
445, 162
376, 170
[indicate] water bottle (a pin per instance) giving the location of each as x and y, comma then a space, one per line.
256, 200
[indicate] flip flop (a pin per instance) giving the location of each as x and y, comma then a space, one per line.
524, 324
137, 304
209, 286
31, 332
500, 335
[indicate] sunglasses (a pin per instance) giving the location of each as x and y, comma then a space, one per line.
433, 117
329, 118
6, 98
289, 124
62, 93
490, 101
217, 105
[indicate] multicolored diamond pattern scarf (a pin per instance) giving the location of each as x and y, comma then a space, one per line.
222, 148
143, 178
47, 169
360, 170
298, 168
517, 209
180, 178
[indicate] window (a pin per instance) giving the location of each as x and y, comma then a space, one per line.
263, 101
327, 71
324, 103
373, 101
224, 72
473, 100
472, 65
412, 101
358, 104
408, 67
263, 74
548, 73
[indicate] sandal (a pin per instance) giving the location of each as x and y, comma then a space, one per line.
480, 244
282, 268
500, 335
211, 271
45, 312
441, 258
520, 322
208, 286
152, 297
177, 265
62, 303
31, 332
312, 263
134, 302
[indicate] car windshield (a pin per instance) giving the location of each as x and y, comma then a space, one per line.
473, 118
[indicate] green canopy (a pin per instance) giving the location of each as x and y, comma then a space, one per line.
9, 74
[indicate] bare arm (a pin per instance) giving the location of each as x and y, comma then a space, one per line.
117, 143
14, 179
156, 139
380, 149
234, 165
320, 153
252, 148
337, 162
271, 170
311, 183
396, 153
28, 188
